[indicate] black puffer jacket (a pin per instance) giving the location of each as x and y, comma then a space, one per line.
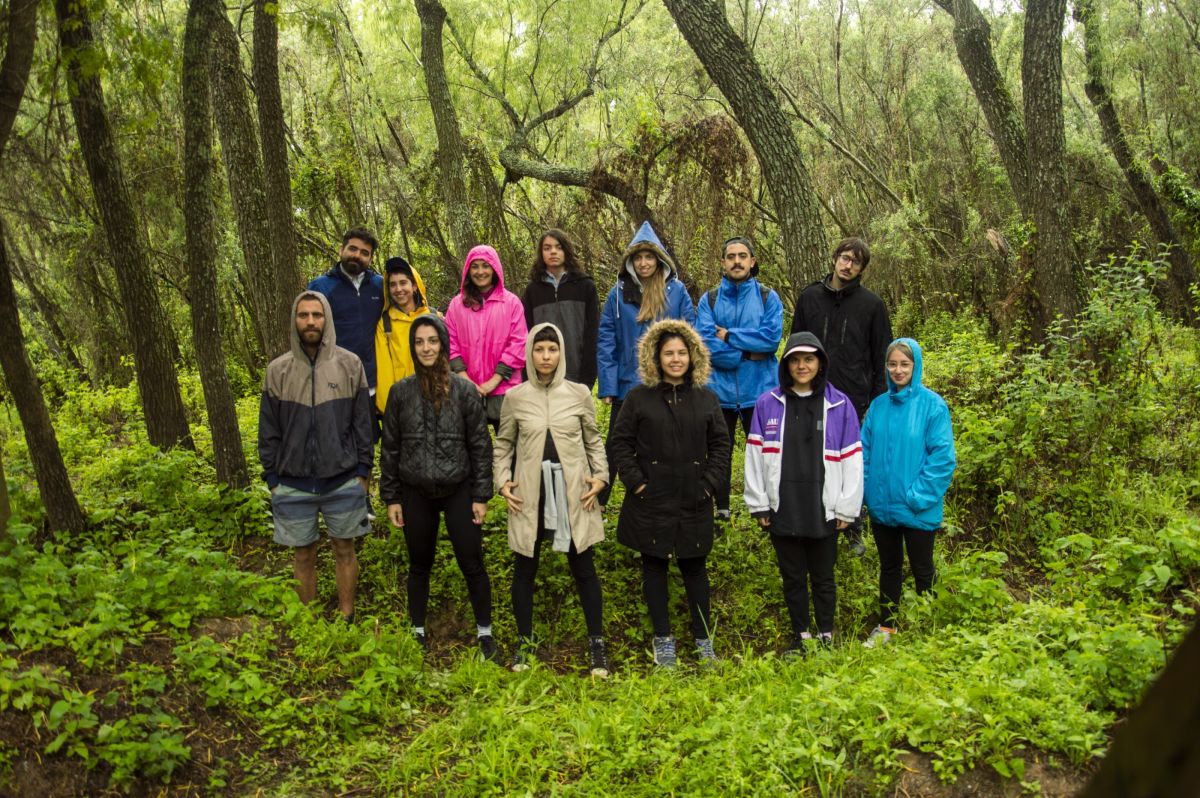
674, 440
434, 450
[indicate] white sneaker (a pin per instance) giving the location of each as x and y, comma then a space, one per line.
879, 636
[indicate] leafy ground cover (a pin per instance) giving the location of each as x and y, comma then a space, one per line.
165, 652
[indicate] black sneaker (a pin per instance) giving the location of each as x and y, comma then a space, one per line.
825, 642
524, 656
488, 648
598, 657
422, 641
795, 650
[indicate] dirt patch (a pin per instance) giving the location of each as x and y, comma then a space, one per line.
918, 780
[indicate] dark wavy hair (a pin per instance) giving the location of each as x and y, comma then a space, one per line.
472, 296
434, 380
570, 259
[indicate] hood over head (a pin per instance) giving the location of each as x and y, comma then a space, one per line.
398, 265
435, 322
918, 366
560, 373
328, 338
803, 342
648, 368
485, 253
646, 238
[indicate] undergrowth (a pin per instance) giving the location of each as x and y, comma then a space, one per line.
1067, 574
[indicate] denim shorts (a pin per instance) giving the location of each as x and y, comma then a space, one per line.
296, 512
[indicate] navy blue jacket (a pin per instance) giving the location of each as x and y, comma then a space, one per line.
355, 312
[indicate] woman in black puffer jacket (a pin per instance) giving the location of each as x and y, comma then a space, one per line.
671, 449
436, 457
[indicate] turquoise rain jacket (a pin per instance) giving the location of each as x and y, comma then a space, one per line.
908, 453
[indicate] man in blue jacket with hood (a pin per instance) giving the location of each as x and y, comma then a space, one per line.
741, 322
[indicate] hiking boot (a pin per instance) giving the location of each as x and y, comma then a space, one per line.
422, 641
704, 650
598, 657
524, 656
664, 652
488, 648
795, 650
879, 636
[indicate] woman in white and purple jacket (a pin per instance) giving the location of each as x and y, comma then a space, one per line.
804, 480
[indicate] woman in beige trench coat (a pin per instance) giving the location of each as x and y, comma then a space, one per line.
549, 465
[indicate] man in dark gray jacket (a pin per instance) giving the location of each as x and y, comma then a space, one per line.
315, 432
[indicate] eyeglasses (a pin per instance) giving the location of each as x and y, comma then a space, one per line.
846, 257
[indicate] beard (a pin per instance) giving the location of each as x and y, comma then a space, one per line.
353, 267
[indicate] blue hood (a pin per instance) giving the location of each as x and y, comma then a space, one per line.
646, 238
918, 369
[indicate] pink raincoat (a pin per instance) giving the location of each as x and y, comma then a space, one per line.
481, 338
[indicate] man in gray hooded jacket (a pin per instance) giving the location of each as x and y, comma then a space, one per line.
315, 433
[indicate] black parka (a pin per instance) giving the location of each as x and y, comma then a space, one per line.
674, 440
434, 450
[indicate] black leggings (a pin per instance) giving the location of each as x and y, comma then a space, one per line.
586, 581
746, 414
606, 491
421, 533
892, 541
694, 571
802, 559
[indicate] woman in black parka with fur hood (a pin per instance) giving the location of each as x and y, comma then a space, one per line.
671, 449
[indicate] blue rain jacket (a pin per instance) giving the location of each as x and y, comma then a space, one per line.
744, 364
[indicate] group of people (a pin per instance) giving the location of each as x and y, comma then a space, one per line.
843, 415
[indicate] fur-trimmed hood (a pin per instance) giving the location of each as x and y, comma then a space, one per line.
648, 367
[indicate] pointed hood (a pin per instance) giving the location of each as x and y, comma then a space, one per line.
915, 384
328, 338
646, 239
803, 342
399, 265
530, 372
648, 368
485, 253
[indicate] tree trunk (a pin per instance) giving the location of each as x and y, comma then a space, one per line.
50, 313
274, 150
166, 418
201, 250
732, 67
450, 152
1173, 293
1057, 276
54, 484
239, 148
972, 42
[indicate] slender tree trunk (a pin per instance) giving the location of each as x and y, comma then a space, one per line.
732, 67
450, 152
166, 417
274, 150
229, 458
1057, 276
54, 484
6, 539
240, 151
972, 41
1173, 293
50, 313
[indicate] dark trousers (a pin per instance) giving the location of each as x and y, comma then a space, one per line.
746, 414
421, 532
602, 497
801, 560
892, 541
694, 571
583, 568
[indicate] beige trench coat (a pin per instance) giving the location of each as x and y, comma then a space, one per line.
566, 410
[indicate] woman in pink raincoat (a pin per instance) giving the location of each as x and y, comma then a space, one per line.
487, 330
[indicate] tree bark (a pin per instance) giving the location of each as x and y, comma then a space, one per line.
240, 151
50, 313
200, 231
1057, 275
274, 150
1172, 293
166, 417
732, 67
54, 484
450, 151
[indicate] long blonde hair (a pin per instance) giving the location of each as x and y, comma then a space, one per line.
654, 295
